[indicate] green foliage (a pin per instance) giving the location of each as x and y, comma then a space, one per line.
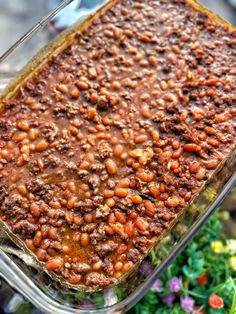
206, 254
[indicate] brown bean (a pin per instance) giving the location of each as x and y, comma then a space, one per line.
120, 217
71, 202
110, 202
33, 134
82, 85
213, 142
163, 85
88, 217
73, 130
35, 210
69, 217
74, 279
30, 245
154, 190
92, 113
149, 208
210, 130
97, 266
124, 183
111, 218
141, 224
129, 228
194, 167
78, 220
66, 249
136, 153
118, 150
118, 266
117, 275
127, 266
192, 147
145, 176
74, 92
121, 192
152, 60
145, 111
175, 144
122, 248
55, 204
200, 175
84, 239
116, 85
136, 199
155, 135
41, 254
41, 146
166, 217
111, 166
52, 233
118, 228
22, 189
92, 73
21, 136
173, 201
37, 239
54, 263
62, 88
211, 164
109, 230
44, 230
23, 125
140, 138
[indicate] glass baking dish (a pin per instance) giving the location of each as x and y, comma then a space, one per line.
20, 269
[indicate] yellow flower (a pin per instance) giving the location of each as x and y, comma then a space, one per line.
218, 247
231, 245
232, 262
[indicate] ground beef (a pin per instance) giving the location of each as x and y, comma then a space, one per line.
102, 211
98, 234
133, 255
97, 280
106, 248
80, 267
108, 266
3, 193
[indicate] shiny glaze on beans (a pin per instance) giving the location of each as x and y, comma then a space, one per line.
114, 136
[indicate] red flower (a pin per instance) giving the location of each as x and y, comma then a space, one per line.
216, 302
202, 279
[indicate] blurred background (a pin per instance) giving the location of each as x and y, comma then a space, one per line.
16, 17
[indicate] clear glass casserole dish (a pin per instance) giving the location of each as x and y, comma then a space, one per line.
20, 268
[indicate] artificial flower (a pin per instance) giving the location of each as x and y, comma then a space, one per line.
168, 299
218, 247
175, 284
231, 245
216, 302
187, 304
157, 286
232, 262
202, 279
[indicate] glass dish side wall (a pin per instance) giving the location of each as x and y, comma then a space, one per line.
20, 269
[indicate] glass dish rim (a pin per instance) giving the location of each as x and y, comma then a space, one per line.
41, 302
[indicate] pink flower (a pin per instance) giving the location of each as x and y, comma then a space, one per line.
187, 304
157, 286
175, 285
168, 299
216, 302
